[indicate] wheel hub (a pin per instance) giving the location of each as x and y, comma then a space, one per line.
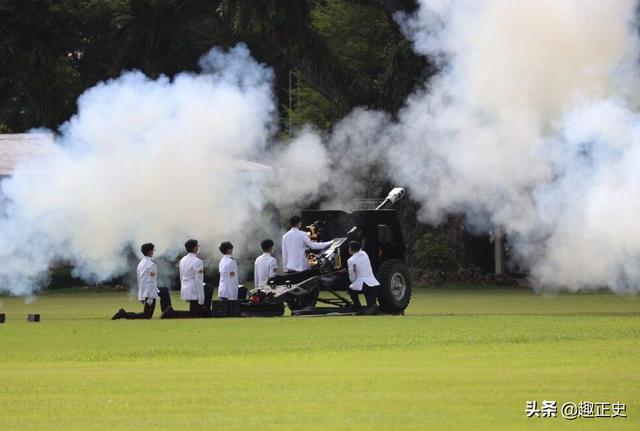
398, 286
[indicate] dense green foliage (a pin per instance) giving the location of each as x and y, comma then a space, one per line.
460, 359
343, 53
432, 253
340, 54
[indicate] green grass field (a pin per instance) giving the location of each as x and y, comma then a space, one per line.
462, 358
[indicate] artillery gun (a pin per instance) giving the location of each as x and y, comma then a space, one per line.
378, 230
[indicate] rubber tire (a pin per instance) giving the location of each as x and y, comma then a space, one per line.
388, 302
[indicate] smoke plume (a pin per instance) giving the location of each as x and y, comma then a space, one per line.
145, 160
531, 125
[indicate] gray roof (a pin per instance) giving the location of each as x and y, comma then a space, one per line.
16, 148
22, 147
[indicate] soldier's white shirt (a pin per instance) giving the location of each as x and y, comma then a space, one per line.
360, 271
192, 278
294, 243
147, 273
228, 287
266, 266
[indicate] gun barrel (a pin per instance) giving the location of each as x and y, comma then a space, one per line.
394, 196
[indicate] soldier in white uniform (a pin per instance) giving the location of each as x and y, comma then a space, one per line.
228, 287
362, 278
266, 266
294, 244
192, 286
148, 291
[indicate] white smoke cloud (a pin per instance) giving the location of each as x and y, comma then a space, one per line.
300, 166
357, 147
144, 160
591, 207
335, 168
531, 125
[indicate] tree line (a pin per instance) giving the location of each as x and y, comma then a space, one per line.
340, 53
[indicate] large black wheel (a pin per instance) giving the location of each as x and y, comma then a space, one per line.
394, 292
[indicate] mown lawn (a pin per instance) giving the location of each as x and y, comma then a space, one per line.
463, 358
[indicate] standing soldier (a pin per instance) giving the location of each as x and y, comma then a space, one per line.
228, 287
148, 292
362, 278
294, 243
266, 265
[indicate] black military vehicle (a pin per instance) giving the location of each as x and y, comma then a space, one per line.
378, 230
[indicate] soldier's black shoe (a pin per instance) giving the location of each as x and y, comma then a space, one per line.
354, 308
121, 314
371, 311
168, 313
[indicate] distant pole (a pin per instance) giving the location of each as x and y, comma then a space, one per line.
497, 243
290, 125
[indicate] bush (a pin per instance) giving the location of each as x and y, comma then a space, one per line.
432, 253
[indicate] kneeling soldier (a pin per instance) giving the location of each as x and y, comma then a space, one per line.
148, 292
362, 278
